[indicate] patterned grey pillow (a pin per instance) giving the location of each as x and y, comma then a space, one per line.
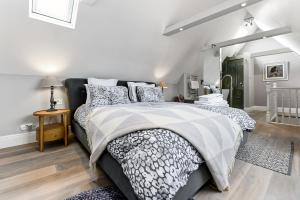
119, 95
150, 94
107, 95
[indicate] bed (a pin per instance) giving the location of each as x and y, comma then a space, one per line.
77, 95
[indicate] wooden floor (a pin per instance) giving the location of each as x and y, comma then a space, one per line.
61, 172
250, 182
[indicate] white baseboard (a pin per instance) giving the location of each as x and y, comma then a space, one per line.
256, 108
17, 139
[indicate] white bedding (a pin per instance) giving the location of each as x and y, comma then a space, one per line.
215, 136
237, 115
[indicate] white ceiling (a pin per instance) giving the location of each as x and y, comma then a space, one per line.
276, 13
123, 39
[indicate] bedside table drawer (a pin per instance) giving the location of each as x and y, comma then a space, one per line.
52, 132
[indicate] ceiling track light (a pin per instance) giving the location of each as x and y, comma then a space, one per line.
218, 11
249, 21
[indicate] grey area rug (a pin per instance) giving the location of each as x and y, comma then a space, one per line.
101, 193
268, 152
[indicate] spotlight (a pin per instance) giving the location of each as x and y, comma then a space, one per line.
244, 4
249, 21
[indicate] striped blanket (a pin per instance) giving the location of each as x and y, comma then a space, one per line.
215, 136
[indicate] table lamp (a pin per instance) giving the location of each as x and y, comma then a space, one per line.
163, 85
51, 82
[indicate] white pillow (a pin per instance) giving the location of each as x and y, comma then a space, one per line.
101, 82
132, 89
88, 98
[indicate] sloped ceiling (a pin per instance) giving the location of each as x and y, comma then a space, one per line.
276, 13
271, 14
261, 46
117, 38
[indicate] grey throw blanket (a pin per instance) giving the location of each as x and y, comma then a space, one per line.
157, 162
215, 136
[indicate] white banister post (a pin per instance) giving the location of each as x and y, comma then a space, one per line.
268, 114
275, 99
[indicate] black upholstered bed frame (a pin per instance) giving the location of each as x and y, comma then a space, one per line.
77, 96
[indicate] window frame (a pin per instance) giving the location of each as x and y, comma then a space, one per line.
69, 24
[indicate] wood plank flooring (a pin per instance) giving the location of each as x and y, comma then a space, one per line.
60, 172
250, 182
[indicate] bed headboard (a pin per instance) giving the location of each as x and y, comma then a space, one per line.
77, 94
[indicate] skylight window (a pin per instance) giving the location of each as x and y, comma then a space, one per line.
59, 12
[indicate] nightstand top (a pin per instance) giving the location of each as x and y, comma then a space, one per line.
42, 113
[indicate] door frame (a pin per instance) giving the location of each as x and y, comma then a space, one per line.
241, 61
246, 74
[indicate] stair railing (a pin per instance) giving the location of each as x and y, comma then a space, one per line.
282, 105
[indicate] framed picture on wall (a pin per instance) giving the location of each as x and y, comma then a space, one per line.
276, 72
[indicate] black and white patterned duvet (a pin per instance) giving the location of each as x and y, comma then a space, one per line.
157, 162
237, 115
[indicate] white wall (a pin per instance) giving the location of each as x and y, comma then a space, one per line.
20, 97
211, 67
171, 92
250, 95
249, 86
118, 39
261, 45
113, 38
257, 88
270, 14
294, 72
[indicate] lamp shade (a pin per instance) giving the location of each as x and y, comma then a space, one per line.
163, 85
50, 81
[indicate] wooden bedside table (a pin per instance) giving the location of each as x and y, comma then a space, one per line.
52, 132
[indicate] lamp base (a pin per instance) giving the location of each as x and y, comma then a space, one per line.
51, 110
52, 102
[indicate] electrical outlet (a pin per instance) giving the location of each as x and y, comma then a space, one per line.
23, 127
59, 101
26, 127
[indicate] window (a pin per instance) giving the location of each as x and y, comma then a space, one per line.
60, 12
